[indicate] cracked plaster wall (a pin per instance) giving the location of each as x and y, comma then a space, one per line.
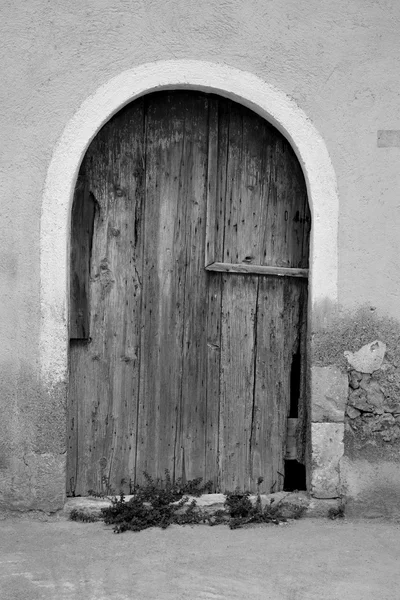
338, 61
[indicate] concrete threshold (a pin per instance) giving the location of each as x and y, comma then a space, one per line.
290, 504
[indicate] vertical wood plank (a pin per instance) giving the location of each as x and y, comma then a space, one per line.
213, 339
77, 367
211, 251
277, 341
191, 432
302, 435
233, 174
106, 382
243, 222
239, 303
82, 220
216, 205
266, 216
286, 214
164, 287
219, 157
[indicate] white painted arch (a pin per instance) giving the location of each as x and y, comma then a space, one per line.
243, 87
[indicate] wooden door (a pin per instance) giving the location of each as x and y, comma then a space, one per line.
189, 257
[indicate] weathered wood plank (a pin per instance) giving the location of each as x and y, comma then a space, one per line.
228, 228
266, 219
213, 350
245, 177
191, 432
302, 434
106, 380
271, 390
92, 366
164, 286
218, 162
285, 214
278, 341
239, 303
77, 382
219, 117
256, 269
212, 203
82, 220
85, 389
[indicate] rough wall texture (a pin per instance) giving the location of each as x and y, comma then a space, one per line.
339, 61
369, 471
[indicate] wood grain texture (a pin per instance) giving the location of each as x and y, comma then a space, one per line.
237, 379
191, 432
277, 340
302, 432
213, 381
266, 218
164, 294
82, 221
105, 372
256, 269
213, 205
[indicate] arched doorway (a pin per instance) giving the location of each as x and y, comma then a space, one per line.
190, 245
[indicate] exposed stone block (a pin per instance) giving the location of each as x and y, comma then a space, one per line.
395, 409
329, 394
88, 506
371, 413
320, 507
268, 499
391, 435
352, 412
294, 505
327, 450
354, 379
369, 358
374, 393
358, 399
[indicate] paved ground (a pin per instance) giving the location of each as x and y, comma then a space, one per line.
304, 560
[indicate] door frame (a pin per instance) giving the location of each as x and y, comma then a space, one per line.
242, 87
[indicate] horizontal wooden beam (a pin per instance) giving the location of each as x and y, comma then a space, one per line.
244, 269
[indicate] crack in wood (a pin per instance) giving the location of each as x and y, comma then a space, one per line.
253, 409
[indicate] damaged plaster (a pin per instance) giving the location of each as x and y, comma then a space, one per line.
367, 359
327, 450
358, 358
329, 394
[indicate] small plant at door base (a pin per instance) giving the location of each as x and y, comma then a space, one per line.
81, 515
162, 503
336, 513
242, 512
156, 504
107, 489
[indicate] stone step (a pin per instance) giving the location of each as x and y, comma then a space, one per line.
290, 504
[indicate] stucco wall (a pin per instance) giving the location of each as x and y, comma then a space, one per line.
340, 62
